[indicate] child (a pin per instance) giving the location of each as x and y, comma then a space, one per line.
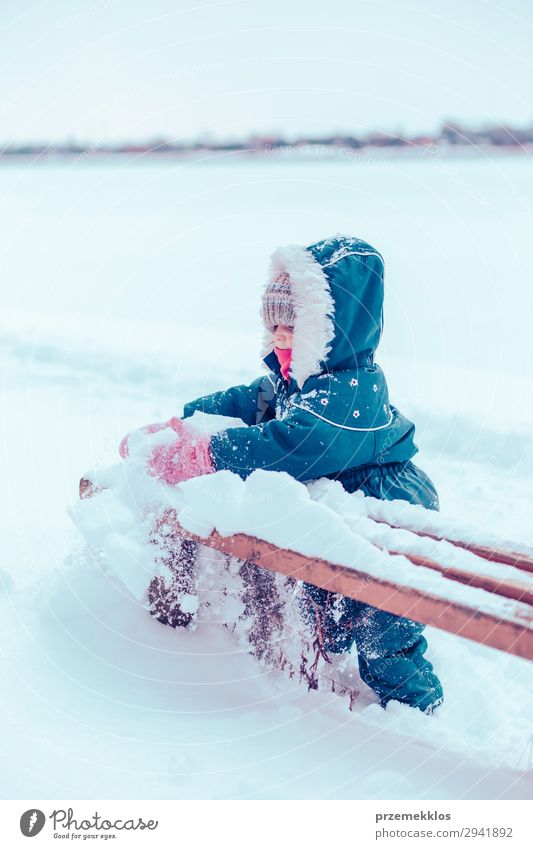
323, 410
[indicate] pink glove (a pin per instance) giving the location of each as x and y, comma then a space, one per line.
175, 423
187, 458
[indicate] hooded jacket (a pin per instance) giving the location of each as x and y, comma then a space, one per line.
334, 413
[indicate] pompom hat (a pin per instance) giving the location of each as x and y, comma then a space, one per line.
278, 305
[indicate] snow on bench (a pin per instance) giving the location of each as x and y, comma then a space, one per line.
321, 534
391, 554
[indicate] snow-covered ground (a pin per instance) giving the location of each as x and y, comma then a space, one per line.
128, 290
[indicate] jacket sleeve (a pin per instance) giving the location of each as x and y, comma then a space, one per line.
301, 444
241, 402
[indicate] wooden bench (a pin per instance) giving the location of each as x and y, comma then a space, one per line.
503, 619
488, 599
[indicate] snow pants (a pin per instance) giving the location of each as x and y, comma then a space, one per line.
390, 648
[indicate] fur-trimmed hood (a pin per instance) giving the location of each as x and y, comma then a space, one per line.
337, 287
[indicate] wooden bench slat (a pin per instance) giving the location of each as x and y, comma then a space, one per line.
508, 589
492, 555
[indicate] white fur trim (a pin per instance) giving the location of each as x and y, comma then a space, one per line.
313, 306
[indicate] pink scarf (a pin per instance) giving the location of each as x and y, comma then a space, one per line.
284, 359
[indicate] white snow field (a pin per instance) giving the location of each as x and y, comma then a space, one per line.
131, 288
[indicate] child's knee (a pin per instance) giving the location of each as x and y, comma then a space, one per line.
381, 634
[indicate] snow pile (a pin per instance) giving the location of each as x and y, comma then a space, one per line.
130, 528
416, 518
322, 520
119, 523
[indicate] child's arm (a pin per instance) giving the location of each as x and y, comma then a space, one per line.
240, 402
301, 444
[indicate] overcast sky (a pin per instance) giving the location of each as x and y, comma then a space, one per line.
124, 69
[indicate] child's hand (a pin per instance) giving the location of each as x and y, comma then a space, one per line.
175, 423
186, 458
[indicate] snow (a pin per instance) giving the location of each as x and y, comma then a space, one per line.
375, 520
415, 518
319, 520
131, 294
275, 507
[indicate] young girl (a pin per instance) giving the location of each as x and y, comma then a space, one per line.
323, 410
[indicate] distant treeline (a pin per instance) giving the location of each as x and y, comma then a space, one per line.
449, 135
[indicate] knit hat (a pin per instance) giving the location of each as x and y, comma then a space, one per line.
278, 306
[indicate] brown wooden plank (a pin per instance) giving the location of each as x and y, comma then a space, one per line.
495, 555
511, 636
508, 589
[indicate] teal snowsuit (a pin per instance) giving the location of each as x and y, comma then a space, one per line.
333, 418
